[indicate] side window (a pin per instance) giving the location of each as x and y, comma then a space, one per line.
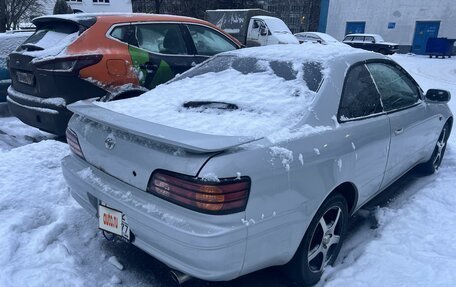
360, 97
397, 90
125, 34
358, 39
369, 39
349, 38
161, 38
209, 42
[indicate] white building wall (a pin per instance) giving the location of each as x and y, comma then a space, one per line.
113, 6
378, 13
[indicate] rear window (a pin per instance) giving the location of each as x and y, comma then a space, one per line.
311, 71
50, 35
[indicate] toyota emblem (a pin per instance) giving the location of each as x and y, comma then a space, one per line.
110, 142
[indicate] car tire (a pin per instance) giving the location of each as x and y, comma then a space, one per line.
433, 164
319, 247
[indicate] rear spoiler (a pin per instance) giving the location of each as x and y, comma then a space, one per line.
190, 141
83, 21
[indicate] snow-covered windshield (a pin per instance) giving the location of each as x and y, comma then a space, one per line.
378, 38
276, 25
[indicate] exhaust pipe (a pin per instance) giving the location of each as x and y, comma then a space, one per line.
179, 277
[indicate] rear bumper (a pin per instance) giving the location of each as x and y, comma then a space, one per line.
50, 115
204, 246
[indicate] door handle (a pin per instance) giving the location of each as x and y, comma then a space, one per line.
399, 131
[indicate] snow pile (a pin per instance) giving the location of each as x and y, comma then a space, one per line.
269, 103
47, 238
14, 133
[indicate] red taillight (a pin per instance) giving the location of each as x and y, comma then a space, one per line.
73, 142
226, 196
68, 63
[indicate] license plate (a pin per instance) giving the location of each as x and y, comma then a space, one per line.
25, 78
113, 221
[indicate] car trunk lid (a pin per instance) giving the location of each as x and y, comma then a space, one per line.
52, 37
130, 149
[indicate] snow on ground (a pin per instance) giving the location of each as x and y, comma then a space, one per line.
14, 133
49, 240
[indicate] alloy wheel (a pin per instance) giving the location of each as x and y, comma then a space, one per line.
325, 239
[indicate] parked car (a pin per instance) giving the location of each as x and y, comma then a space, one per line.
8, 43
252, 27
315, 37
81, 56
371, 42
256, 158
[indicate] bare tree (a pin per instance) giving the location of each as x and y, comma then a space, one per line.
62, 7
14, 11
2, 16
158, 4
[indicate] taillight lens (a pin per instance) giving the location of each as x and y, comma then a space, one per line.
226, 196
73, 142
68, 64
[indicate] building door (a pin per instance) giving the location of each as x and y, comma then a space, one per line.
355, 27
423, 31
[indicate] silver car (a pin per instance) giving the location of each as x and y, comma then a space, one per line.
255, 158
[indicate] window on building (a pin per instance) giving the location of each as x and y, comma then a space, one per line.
74, 0
101, 1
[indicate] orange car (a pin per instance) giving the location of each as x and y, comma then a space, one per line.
107, 56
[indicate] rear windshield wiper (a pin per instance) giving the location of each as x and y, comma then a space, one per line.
210, 105
31, 47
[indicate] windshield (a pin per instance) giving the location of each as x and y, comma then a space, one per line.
378, 38
311, 72
276, 25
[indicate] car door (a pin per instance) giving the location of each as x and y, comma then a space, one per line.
366, 128
412, 126
254, 34
159, 52
207, 42
358, 42
369, 43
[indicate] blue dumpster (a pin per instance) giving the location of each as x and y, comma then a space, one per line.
440, 47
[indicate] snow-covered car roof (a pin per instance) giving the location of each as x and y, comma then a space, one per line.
260, 92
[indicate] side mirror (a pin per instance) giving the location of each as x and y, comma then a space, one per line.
263, 31
373, 41
434, 95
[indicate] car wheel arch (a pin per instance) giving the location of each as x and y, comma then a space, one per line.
348, 190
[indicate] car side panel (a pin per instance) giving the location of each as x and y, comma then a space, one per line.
413, 131
291, 180
90, 43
